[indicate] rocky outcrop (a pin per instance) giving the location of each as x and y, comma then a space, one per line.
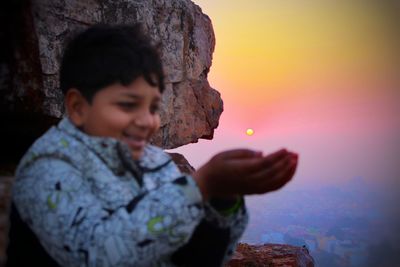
182, 163
270, 255
34, 33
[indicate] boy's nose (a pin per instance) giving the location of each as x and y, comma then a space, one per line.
144, 120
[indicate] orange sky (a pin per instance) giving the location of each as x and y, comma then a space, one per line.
317, 78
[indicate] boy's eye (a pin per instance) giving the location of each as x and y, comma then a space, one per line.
126, 105
154, 108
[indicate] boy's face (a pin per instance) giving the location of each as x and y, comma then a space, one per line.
127, 113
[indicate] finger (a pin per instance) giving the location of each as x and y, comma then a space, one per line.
267, 163
269, 175
239, 154
277, 167
254, 183
276, 156
282, 177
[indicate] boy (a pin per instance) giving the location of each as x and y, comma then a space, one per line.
92, 192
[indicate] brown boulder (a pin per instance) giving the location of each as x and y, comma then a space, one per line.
270, 255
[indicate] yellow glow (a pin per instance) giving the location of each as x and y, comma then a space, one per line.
249, 132
269, 50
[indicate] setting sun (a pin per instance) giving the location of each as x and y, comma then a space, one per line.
249, 131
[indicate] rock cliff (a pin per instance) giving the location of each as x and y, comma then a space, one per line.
34, 34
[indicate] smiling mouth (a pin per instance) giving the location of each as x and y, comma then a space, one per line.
134, 142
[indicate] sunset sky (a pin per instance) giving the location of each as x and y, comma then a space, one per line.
318, 77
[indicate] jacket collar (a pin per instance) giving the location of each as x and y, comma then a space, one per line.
114, 153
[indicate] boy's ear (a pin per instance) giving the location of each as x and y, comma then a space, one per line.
76, 106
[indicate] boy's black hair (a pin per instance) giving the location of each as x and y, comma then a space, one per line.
103, 55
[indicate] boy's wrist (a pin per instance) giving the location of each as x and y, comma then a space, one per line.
200, 179
227, 205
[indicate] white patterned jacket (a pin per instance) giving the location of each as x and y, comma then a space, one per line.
88, 203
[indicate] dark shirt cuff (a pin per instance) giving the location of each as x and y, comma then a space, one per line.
227, 206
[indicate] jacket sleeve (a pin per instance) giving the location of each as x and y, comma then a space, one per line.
215, 238
228, 214
74, 228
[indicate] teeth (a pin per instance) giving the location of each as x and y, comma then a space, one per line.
133, 141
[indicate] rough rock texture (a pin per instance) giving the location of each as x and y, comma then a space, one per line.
34, 33
270, 255
182, 163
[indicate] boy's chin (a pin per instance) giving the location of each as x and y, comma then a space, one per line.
136, 155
